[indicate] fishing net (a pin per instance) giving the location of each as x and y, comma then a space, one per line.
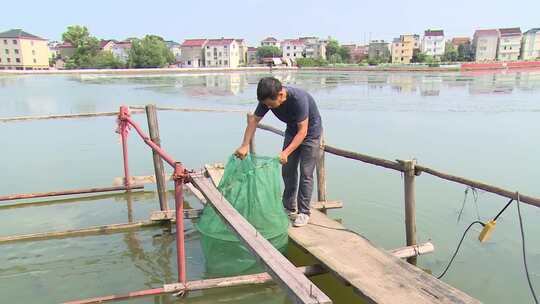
253, 187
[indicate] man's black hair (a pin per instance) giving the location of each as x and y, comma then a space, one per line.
268, 87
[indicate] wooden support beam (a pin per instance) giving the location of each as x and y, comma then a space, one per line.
321, 173
410, 205
159, 171
196, 213
67, 192
298, 287
412, 251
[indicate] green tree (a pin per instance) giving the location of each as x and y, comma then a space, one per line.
332, 47
450, 52
86, 46
268, 51
311, 62
345, 54
149, 52
107, 60
335, 58
465, 52
420, 57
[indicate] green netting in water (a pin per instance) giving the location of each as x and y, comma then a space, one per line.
253, 187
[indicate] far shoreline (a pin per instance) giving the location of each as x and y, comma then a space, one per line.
385, 68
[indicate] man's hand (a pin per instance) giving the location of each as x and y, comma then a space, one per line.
283, 158
241, 152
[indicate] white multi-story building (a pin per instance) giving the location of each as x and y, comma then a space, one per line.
530, 44
433, 43
222, 53
509, 47
175, 48
484, 45
314, 48
293, 48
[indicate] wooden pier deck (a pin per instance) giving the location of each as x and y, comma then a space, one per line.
375, 274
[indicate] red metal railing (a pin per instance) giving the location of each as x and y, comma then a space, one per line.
179, 176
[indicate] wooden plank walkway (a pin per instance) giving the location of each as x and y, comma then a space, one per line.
299, 288
376, 275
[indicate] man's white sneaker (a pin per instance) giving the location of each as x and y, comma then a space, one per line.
292, 215
301, 220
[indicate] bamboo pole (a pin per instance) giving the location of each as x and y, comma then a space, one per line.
249, 116
63, 116
410, 205
412, 251
321, 174
67, 192
251, 279
534, 201
96, 230
153, 129
345, 153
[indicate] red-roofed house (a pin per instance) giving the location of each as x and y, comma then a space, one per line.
293, 48
192, 52
106, 45
509, 44
433, 43
222, 53
485, 44
121, 50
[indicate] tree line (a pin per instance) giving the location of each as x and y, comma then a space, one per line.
148, 52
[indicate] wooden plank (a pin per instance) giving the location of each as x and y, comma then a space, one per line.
327, 205
373, 273
298, 287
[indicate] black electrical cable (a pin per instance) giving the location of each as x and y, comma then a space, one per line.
523, 251
457, 249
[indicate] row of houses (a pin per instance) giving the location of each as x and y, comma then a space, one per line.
231, 52
504, 44
22, 50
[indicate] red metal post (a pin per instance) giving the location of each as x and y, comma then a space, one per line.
123, 129
179, 175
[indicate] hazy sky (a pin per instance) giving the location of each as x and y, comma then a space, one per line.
346, 20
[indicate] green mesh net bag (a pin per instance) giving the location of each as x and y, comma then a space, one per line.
253, 187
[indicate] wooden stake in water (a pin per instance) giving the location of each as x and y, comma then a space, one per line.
153, 129
410, 205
